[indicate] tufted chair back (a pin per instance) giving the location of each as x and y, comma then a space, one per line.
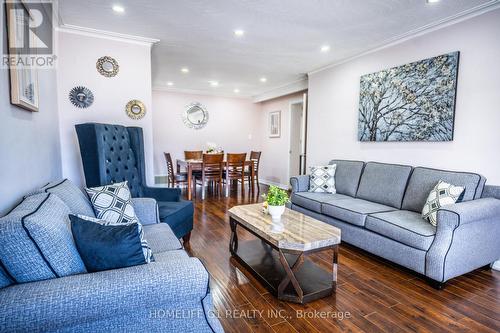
112, 154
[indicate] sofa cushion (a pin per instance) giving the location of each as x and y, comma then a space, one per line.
423, 180
36, 239
178, 215
384, 183
347, 176
71, 195
5, 280
161, 238
313, 201
404, 226
352, 210
171, 255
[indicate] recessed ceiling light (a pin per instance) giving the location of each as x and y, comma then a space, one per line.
239, 32
325, 48
185, 70
263, 79
432, 1
213, 83
170, 83
118, 9
236, 90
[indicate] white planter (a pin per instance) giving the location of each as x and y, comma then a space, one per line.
276, 212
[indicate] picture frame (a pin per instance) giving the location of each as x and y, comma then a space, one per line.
275, 124
24, 89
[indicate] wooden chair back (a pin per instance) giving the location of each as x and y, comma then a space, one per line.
212, 166
193, 154
235, 165
255, 156
170, 168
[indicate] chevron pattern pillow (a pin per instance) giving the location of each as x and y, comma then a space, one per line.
113, 203
322, 179
441, 195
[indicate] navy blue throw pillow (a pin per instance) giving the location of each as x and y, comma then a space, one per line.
104, 247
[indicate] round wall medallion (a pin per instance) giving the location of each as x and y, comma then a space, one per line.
195, 116
107, 66
135, 109
81, 97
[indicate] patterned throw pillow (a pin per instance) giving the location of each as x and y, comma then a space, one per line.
113, 203
146, 250
322, 179
441, 195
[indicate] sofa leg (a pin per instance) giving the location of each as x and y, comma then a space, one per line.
186, 237
437, 285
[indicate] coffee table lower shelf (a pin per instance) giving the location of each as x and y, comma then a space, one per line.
264, 263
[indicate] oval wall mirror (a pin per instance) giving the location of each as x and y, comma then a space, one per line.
195, 116
107, 66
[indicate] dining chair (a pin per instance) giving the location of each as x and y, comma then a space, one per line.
174, 179
211, 170
255, 158
193, 154
235, 170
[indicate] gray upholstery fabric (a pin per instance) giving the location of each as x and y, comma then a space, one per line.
313, 201
347, 176
161, 238
384, 183
36, 240
423, 180
71, 195
352, 210
171, 255
491, 191
112, 300
146, 210
403, 226
300, 183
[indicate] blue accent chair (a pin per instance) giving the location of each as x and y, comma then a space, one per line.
114, 153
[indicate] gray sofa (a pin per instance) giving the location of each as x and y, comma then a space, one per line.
171, 294
378, 208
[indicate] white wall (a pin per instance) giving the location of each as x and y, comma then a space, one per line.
334, 98
233, 125
77, 67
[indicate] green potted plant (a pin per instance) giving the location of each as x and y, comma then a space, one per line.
276, 199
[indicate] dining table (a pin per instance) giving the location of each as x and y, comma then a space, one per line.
197, 165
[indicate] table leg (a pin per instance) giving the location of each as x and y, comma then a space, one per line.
290, 276
335, 267
233, 242
189, 180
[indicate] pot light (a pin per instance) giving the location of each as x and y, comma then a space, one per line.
432, 1
118, 9
236, 90
325, 48
213, 83
185, 70
239, 32
263, 79
170, 83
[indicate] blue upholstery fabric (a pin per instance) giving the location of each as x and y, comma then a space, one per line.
161, 238
178, 215
353, 210
347, 176
404, 226
423, 180
146, 210
36, 240
313, 201
300, 183
114, 153
384, 183
4, 278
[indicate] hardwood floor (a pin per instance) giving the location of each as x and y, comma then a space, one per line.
373, 295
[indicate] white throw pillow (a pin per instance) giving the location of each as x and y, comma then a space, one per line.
322, 179
441, 195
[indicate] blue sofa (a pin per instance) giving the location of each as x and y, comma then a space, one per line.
378, 208
115, 153
39, 293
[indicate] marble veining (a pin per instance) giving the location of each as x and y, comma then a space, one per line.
295, 231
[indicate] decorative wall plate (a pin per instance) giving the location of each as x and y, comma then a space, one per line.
81, 97
107, 66
195, 116
135, 109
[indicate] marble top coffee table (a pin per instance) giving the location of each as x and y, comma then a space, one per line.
277, 258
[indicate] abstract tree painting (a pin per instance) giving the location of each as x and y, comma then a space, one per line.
413, 102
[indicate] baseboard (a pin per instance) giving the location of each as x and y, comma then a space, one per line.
496, 265
268, 182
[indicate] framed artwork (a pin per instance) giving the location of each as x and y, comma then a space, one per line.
23, 77
275, 124
413, 102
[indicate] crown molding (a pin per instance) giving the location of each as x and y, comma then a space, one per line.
199, 92
84, 31
460, 17
282, 90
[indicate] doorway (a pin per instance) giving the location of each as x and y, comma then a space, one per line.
298, 133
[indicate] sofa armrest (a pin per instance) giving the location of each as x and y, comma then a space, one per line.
300, 183
136, 291
468, 212
146, 210
163, 193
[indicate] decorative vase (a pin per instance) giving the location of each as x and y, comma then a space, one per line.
276, 212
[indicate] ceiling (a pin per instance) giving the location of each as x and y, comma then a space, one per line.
282, 39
